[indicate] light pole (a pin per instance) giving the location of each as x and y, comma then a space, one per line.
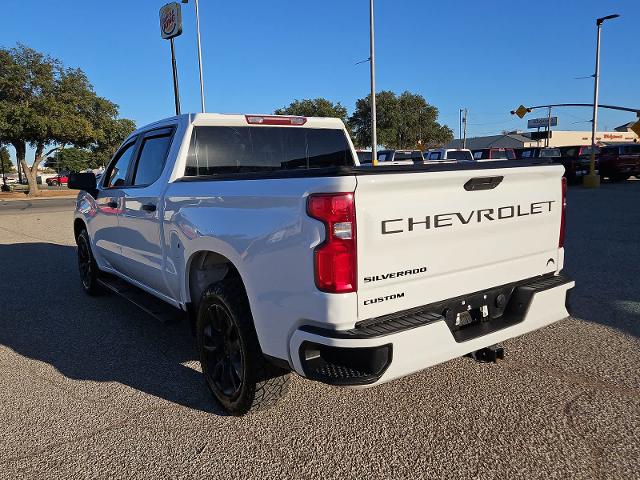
199, 54
592, 180
372, 64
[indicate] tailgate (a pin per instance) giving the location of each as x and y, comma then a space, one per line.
423, 237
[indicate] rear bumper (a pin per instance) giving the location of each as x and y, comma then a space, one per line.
399, 345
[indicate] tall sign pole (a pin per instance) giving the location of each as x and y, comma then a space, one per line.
176, 87
372, 64
171, 27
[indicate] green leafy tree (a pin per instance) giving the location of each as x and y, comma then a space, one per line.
317, 107
47, 106
111, 136
403, 121
70, 160
6, 165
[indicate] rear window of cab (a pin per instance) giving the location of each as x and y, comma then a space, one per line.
217, 150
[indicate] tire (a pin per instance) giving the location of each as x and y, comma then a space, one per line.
233, 365
87, 266
54, 183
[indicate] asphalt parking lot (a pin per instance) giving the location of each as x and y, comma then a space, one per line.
93, 388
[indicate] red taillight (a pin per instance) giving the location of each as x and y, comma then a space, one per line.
274, 120
335, 259
563, 206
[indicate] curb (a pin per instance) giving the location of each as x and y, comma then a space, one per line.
28, 198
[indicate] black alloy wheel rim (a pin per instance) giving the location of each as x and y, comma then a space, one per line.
84, 262
222, 349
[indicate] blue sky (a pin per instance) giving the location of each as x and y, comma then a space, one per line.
488, 56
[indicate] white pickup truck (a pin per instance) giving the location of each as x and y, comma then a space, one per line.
288, 256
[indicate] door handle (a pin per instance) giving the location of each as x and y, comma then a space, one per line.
149, 207
483, 183
112, 204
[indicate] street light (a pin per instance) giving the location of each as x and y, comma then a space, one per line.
593, 180
199, 54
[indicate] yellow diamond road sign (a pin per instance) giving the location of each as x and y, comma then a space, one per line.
636, 127
521, 111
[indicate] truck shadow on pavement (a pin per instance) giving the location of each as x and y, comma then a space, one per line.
45, 316
602, 253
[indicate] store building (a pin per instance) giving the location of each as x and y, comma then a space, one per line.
559, 138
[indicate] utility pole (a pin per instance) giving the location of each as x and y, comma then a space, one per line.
372, 65
464, 138
592, 180
460, 128
199, 54
548, 128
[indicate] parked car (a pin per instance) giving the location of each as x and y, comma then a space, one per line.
392, 157
574, 159
364, 156
287, 256
538, 152
457, 154
493, 154
57, 180
619, 162
577, 161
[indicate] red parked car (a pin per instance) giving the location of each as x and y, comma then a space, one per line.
619, 162
57, 180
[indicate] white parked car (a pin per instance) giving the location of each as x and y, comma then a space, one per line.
288, 256
454, 154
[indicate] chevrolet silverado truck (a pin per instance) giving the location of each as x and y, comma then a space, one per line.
287, 255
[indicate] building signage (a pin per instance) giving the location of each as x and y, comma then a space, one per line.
170, 20
542, 122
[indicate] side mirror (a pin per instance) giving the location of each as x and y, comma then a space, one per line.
82, 181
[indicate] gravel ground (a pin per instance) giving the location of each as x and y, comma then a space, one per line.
93, 388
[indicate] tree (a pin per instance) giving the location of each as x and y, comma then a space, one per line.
70, 160
112, 134
6, 165
317, 107
47, 106
403, 121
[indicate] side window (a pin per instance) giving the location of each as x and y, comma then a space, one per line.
526, 154
116, 175
153, 155
477, 155
382, 157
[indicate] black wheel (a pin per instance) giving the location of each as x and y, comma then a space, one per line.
87, 265
54, 183
232, 363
